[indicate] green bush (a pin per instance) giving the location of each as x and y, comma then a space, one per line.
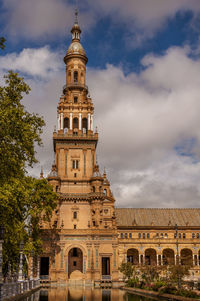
168, 289
158, 284
187, 293
132, 282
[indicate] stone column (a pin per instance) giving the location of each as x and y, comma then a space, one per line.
157, 259
20, 275
61, 123
88, 121
92, 123
58, 122
161, 259
139, 259
193, 260
198, 259
38, 268
70, 121
31, 271
80, 121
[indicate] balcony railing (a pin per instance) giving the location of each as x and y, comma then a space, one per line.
75, 85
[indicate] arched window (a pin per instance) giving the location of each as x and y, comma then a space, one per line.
69, 76
75, 123
84, 122
93, 188
76, 76
105, 191
66, 123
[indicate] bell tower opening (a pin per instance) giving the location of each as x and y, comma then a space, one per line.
85, 122
75, 77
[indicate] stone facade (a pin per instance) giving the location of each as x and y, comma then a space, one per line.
88, 238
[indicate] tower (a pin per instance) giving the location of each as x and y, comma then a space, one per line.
85, 211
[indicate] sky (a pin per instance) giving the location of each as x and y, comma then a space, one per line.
143, 75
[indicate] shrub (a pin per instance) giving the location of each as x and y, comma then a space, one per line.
132, 282
187, 293
158, 284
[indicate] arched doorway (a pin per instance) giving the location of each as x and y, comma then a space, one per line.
168, 257
186, 257
133, 256
150, 257
75, 260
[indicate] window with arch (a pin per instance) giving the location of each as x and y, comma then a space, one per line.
93, 188
84, 122
75, 123
66, 123
75, 99
69, 76
75, 164
75, 76
105, 191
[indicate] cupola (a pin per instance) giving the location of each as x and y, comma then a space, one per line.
75, 49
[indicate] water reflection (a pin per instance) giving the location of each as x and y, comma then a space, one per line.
81, 294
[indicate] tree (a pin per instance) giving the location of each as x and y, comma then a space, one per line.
178, 272
19, 130
24, 201
127, 269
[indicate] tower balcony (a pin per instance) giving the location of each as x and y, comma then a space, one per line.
62, 136
74, 85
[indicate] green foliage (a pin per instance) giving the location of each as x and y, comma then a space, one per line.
127, 269
170, 289
24, 201
177, 272
19, 130
2, 42
150, 273
133, 282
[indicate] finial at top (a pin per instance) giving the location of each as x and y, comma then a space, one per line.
41, 173
76, 16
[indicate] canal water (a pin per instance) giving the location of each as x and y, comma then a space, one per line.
83, 294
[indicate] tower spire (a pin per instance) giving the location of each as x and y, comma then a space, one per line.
76, 15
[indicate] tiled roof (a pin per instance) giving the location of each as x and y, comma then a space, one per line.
157, 217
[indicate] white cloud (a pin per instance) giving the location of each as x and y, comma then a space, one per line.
141, 118
143, 18
46, 18
39, 62
40, 18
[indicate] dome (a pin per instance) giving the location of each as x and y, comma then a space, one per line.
76, 48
